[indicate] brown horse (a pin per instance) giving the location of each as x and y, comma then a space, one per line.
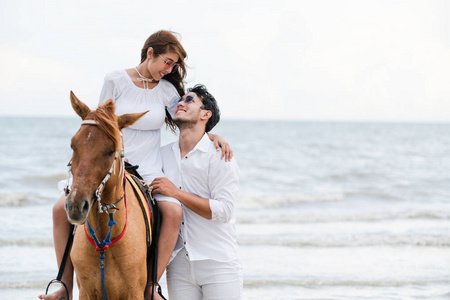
98, 172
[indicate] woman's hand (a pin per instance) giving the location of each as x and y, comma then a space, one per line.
163, 186
219, 142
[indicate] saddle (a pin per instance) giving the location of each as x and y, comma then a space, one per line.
146, 202
153, 225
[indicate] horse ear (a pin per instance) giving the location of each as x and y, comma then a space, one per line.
129, 119
79, 107
109, 105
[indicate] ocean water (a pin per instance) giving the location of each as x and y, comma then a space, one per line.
326, 210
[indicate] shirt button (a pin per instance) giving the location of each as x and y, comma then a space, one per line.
180, 187
185, 243
182, 223
186, 157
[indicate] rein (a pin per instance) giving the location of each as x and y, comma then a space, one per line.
63, 262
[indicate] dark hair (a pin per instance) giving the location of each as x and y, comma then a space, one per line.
164, 41
209, 103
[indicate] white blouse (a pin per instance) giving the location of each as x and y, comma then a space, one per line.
142, 140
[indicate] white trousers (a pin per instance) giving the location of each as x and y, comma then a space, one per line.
203, 279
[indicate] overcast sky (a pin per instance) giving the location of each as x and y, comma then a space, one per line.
298, 60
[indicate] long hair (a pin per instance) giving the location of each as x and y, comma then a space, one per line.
164, 41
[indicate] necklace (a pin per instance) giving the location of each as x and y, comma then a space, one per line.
144, 80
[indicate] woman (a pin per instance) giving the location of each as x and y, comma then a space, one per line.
153, 85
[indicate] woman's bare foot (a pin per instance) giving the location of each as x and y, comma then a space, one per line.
58, 295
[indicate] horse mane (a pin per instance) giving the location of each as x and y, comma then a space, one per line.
107, 121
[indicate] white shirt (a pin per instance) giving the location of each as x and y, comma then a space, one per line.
203, 173
142, 140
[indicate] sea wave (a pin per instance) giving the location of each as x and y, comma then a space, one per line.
20, 199
38, 284
335, 282
51, 179
360, 174
348, 241
342, 217
373, 194
26, 242
280, 282
272, 201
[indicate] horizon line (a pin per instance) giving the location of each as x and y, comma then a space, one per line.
263, 120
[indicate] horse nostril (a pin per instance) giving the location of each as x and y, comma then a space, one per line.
85, 207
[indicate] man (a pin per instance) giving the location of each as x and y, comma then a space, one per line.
206, 262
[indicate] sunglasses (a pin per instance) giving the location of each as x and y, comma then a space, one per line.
168, 63
187, 100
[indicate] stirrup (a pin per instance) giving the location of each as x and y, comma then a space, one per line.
159, 290
65, 287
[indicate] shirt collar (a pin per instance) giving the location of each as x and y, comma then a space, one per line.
202, 145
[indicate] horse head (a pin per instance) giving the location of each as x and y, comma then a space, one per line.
96, 148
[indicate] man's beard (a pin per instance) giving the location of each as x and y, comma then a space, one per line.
182, 124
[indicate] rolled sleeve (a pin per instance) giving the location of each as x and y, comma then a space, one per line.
217, 211
224, 186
